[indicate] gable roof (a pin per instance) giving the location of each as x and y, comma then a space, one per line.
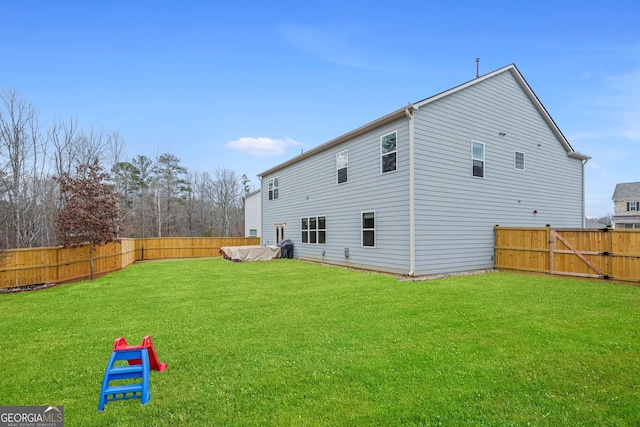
530, 94
626, 190
406, 111
253, 193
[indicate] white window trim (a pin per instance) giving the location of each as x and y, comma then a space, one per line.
346, 167
362, 229
272, 191
308, 218
515, 162
633, 207
484, 163
390, 152
278, 226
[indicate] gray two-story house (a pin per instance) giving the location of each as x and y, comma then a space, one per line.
420, 190
626, 205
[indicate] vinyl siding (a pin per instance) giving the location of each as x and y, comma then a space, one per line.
456, 212
252, 213
309, 188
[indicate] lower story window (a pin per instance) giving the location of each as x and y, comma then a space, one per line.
314, 229
369, 229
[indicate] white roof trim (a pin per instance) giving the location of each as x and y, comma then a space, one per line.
400, 113
530, 94
253, 193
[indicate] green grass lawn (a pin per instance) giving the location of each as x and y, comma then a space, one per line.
287, 343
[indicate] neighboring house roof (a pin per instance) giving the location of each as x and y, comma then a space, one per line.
251, 194
408, 110
627, 190
590, 223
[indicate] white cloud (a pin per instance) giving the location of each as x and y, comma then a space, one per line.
262, 146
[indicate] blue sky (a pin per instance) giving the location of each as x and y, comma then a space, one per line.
247, 85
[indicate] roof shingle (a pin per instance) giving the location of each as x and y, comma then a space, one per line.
627, 190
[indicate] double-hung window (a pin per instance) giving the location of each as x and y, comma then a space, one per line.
633, 206
389, 152
273, 188
477, 158
314, 230
342, 163
369, 229
519, 160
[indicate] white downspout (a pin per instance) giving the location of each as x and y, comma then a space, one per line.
261, 213
584, 208
412, 189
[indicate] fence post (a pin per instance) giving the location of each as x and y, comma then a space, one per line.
551, 244
495, 245
609, 250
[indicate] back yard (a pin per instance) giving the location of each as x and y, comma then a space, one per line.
287, 343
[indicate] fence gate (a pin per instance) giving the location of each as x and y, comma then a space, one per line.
598, 253
583, 253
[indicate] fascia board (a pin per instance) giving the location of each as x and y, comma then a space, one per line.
398, 114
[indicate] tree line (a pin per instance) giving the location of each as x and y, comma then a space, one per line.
157, 196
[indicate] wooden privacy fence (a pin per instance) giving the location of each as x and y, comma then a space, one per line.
598, 253
33, 266
187, 247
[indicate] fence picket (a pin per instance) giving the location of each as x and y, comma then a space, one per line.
606, 253
34, 266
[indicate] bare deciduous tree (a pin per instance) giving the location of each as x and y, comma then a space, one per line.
227, 196
158, 197
91, 144
22, 160
205, 216
63, 137
116, 148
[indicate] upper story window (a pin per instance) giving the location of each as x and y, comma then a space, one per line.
388, 152
273, 188
477, 158
633, 206
342, 163
369, 229
519, 160
314, 230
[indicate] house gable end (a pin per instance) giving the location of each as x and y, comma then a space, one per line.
513, 70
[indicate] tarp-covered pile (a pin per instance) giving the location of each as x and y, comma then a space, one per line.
250, 253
